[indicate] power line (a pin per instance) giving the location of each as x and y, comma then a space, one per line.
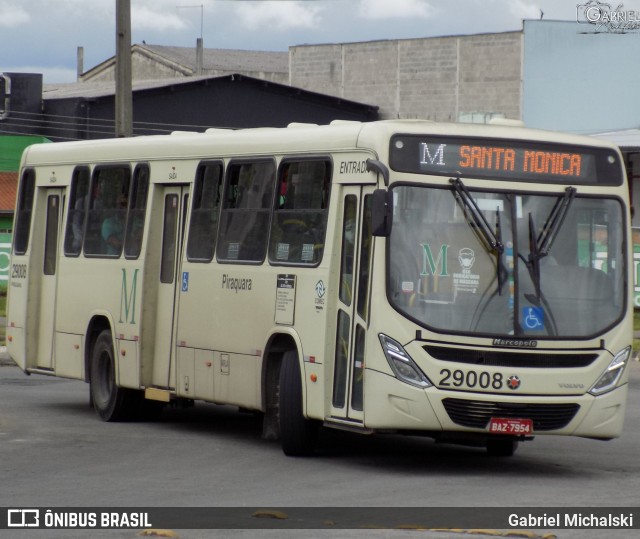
47, 115
43, 130
109, 122
57, 126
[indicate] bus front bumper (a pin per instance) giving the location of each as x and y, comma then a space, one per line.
394, 405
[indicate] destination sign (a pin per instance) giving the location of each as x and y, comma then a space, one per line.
505, 160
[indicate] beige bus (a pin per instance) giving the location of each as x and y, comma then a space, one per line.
468, 283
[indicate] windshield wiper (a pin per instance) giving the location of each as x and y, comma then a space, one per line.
554, 222
539, 247
493, 240
469, 204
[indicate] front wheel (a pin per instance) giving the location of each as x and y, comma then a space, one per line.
112, 403
297, 434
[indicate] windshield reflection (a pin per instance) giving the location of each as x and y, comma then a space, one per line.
498, 263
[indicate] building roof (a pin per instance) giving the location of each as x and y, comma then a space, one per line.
89, 90
183, 59
8, 190
227, 59
93, 89
626, 139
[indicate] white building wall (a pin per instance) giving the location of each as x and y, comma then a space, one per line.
580, 82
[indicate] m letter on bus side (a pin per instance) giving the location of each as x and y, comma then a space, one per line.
128, 300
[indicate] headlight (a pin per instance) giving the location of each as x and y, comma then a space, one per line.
401, 363
610, 377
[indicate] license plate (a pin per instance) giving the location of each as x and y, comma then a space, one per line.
507, 425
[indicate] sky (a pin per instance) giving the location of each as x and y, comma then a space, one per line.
42, 36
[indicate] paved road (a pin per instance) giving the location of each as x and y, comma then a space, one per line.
56, 453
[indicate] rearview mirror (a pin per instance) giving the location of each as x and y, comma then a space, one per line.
381, 213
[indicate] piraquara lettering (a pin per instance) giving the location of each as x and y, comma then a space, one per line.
234, 283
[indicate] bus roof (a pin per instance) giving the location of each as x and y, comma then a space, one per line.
337, 136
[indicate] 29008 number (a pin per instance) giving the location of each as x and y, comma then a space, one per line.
18, 271
459, 378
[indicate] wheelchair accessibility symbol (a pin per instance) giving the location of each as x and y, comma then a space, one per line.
533, 318
185, 281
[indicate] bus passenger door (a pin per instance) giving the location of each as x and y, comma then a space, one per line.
170, 242
50, 230
347, 401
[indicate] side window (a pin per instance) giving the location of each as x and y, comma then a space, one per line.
300, 215
25, 207
357, 376
364, 267
348, 249
203, 226
107, 213
341, 368
169, 231
594, 239
137, 212
78, 203
244, 220
51, 235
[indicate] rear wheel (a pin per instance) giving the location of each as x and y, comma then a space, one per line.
111, 402
297, 434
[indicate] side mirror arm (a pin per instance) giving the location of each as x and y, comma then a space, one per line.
373, 165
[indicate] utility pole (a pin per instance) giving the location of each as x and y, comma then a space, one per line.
124, 98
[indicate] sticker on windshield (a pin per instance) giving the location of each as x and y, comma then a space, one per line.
408, 287
533, 318
465, 281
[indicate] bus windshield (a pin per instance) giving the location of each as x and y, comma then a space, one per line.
505, 263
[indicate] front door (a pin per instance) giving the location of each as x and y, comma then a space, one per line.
347, 400
169, 244
54, 199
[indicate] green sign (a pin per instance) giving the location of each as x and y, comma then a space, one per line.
11, 148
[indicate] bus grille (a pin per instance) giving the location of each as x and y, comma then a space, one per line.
492, 358
476, 414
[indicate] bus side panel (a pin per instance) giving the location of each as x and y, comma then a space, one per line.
16, 346
17, 294
203, 365
237, 379
24, 299
397, 405
115, 286
317, 335
128, 363
315, 385
69, 353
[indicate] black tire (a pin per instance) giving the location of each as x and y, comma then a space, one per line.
110, 402
501, 447
297, 434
